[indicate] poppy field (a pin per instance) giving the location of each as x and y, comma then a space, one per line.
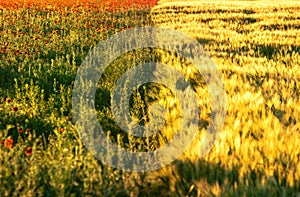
255, 45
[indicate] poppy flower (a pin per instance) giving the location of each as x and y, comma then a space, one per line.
8, 100
20, 130
9, 143
62, 130
3, 51
15, 108
28, 151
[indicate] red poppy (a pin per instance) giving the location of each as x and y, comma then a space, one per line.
20, 130
3, 51
28, 151
62, 130
8, 100
15, 108
9, 143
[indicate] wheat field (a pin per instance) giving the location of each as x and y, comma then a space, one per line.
255, 46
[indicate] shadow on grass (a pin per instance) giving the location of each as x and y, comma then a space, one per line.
191, 9
270, 51
7, 76
187, 178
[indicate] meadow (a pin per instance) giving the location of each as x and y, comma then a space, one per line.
255, 45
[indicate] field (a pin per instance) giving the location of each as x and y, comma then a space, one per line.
256, 48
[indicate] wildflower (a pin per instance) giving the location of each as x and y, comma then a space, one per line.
28, 151
15, 108
8, 100
3, 51
9, 143
62, 130
20, 130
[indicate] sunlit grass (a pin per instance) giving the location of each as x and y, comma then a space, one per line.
255, 45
